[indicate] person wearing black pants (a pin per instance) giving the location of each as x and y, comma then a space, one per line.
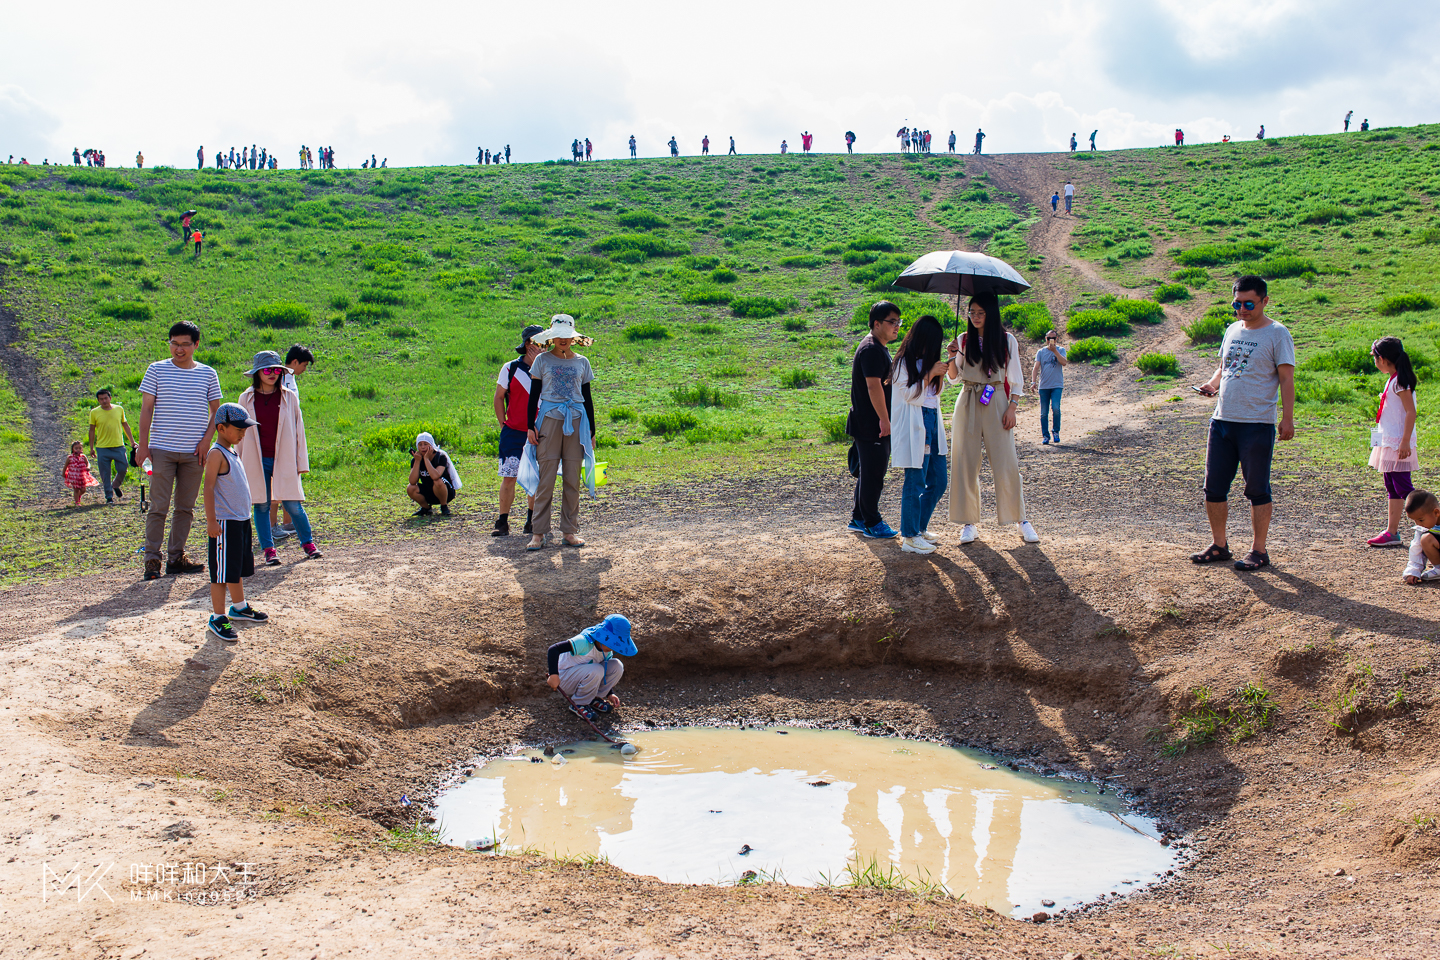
869, 420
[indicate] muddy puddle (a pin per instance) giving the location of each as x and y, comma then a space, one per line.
807, 807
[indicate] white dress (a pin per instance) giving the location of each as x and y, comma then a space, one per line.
1385, 438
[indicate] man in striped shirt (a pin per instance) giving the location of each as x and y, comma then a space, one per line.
179, 398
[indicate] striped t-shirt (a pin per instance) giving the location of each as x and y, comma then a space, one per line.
182, 404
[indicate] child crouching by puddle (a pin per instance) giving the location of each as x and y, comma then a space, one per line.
584, 667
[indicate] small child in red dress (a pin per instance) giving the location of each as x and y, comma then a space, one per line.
77, 471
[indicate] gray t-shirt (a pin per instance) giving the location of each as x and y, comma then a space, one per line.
1052, 374
1250, 378
561, 379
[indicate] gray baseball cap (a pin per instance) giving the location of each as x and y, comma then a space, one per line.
235, 415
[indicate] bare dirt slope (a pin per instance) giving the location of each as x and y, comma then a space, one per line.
384, 668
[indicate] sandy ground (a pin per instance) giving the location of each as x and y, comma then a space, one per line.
133, 739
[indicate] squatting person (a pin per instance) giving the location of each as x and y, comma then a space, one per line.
584, 667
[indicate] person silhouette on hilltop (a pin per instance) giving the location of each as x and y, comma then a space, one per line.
632, 146
732, 145
979, 140
674, 147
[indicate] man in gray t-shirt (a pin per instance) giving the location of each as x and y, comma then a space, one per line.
1257, 365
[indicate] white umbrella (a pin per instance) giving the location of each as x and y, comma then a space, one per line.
960, 273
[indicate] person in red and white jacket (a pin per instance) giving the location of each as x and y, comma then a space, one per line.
512, 403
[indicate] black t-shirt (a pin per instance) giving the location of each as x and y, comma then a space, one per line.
441, 463
872, 359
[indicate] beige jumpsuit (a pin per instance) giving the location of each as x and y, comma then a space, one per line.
972, 423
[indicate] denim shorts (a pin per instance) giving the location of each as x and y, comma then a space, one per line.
1248, 446
512, 446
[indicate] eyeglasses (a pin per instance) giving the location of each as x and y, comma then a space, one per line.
894, 323
273, 371
1049, 339
181, 344
1247, 304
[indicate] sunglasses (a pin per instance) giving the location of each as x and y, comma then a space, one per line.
1247, 304
273, 371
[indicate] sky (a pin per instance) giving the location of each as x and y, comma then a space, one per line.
429, 82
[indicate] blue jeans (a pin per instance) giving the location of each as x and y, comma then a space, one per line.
104, 456
1050, 400
295, 508
924, 484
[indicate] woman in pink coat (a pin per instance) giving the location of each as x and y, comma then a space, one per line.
274, 454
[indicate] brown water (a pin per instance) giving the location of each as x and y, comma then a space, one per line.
810, 804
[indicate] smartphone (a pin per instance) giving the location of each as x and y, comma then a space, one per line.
1200, 391
987, 393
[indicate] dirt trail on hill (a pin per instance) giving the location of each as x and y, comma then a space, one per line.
47, 431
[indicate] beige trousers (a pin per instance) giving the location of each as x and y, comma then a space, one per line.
557, 453
972, 424
175, 477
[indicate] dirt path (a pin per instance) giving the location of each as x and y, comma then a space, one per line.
47, 430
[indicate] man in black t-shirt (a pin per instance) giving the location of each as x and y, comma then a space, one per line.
869, 420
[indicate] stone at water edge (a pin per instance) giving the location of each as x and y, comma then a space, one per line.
1047, 903
628, 750
1040, 916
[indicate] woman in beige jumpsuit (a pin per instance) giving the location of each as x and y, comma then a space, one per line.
992, 424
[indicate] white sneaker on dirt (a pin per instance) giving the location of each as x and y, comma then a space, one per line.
916, 545
930, 536
1027, 532
968, 533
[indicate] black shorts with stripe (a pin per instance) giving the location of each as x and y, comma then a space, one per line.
231, 558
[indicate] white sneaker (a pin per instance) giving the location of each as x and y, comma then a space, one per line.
1027, 532
931, 537
968, 533
916, 545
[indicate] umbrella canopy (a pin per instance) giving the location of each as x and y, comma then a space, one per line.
958, 273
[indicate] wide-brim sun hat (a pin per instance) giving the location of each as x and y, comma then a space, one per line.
614, 632
266, 359
562, 326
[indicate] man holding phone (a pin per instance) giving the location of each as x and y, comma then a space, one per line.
869, 420
1257, 362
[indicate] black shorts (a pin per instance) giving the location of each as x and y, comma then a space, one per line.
231, 558
427, 490
1248, 446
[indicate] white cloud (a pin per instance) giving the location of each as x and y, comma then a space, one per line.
428, 82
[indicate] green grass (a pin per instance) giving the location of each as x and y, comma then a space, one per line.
1203, 721
416, 282
1172, 292
1095, 350
1158, 364
1089, 323
1404, 303
1032, 319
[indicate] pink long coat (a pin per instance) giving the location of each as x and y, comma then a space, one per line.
292, 458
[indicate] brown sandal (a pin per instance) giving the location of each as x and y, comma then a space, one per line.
1211, 554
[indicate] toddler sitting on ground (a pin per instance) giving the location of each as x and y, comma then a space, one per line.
584, 668
1423, 509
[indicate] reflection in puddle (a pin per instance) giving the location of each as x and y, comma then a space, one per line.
807, 803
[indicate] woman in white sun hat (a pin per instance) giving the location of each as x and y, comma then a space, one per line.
562, 430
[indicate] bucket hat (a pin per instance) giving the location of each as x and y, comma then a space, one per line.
562, 325
614, 632
266, 359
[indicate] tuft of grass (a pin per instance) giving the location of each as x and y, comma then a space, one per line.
364, 391
707, 294
703, 395
133, 310
797, 378
1192, 275
802, 260
757, 307
1142, 311
1403, 303
724, 275
796, 324
649, 330
834, 428
1205, 722
283, 314
1159, 364
1089, 323
1095, 350
412, 838
1345, 360
871, 874
1033, 319
623, 415
669, 423
1284, 265
1171, 292
1209, 328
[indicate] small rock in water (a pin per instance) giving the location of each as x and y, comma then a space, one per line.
1040, 916
537, 759
782, 732
549, 751
628, 750
820, 783
749, 875
469, 772
745, 849
1047, 903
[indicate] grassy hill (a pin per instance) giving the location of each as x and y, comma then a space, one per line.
725, 294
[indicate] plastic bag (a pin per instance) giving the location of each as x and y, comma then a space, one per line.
528, 476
